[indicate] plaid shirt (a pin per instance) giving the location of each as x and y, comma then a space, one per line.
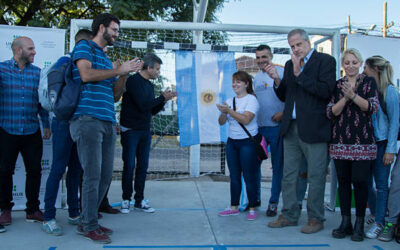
19, 100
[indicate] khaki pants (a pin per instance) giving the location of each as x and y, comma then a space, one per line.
316, 155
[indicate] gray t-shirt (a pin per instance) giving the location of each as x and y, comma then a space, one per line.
269, 102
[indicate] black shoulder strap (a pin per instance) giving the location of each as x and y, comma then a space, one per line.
243, 127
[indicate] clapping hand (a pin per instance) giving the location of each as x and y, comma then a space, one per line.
224, 108
348, 90
296, 64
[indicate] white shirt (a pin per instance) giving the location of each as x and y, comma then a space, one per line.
246, 103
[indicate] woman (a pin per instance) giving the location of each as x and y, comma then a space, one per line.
386, 126
353, 147
240, 149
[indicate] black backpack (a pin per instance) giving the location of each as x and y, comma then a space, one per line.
63, 90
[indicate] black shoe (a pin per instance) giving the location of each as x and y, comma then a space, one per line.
358, 233
2, 229
271, 210
344, 229
258, 204
108, 210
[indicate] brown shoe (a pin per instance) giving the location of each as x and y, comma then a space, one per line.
97, 236
281, 222
5, 217
36, 216
312, 226
106, 230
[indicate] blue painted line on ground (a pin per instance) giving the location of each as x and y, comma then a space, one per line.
378, 247
224, 247
52, 248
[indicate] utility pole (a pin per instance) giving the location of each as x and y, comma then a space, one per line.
386, 26
348, 25
384, 29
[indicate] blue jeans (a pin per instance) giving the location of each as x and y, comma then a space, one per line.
64, 154
275, 142
135, 143
380, 173
242, 158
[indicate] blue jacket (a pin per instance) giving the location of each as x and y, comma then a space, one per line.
386, 126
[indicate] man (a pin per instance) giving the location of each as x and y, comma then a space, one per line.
20, 129
138, 105
306, 87
64, 154
269, 118
93, 124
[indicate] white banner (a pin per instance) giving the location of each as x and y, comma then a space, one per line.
49, 45
368, 46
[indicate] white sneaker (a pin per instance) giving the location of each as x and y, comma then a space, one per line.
125, 206
145, 207
374, 231
369, 220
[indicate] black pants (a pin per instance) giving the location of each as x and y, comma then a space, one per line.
358, 174
31, 149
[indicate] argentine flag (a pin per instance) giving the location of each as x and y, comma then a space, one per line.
203, 79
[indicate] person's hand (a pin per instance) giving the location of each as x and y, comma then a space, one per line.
46, 133
168, 94
348, 90
116, 64
224, 108
296, 64
133, 65
271, 71
388, 159
277, 117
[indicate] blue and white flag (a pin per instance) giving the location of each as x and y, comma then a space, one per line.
203, 79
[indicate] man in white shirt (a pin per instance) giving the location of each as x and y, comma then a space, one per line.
269, 117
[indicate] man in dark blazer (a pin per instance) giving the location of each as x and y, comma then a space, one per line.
306, 87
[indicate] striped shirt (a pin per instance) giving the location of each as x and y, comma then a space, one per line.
19, 99
97, 98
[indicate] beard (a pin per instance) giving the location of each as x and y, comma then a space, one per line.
108, 38
26, 57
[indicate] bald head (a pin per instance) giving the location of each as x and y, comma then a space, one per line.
23, 50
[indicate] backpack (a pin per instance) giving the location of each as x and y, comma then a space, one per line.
58, 91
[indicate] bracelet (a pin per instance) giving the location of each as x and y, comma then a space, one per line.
353, 97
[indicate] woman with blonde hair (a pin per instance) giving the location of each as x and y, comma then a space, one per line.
386, 125
353, 147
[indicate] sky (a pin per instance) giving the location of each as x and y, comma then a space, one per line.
308, 13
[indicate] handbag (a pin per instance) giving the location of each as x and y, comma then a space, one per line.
259, 140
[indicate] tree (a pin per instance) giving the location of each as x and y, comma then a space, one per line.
50, 13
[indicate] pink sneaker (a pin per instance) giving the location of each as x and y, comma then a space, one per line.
229, 212
252, 215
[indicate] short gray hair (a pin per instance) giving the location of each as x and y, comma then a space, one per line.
301, 32
149, 60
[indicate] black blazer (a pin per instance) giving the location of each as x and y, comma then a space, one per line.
311, 91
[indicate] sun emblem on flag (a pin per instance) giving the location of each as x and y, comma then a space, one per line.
208, 97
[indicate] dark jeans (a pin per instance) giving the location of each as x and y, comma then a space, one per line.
358, 174
31, 149
275, 142
135, 144
64, 154
242, 158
